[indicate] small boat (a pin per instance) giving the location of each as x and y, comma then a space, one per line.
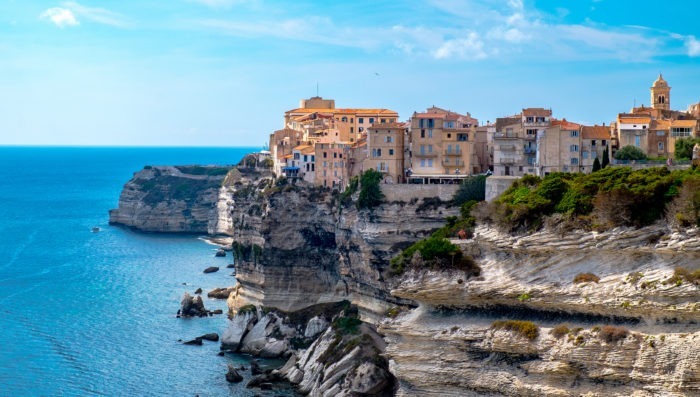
95, 229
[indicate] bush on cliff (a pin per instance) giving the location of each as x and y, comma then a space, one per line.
684, 148
471, 189
613, 196
370, 193
434, 252
526, 329
630, 153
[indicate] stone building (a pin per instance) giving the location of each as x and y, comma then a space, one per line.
559, 148
595, 140
515, 141
385, 150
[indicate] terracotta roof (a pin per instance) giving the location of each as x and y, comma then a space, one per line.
308, 150
660, 125
360, 112
301, 147
684, 123
566, 125
538, 112
429, 115
595, 132
634, 120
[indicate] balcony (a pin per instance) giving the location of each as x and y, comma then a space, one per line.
453, 163
453, 153
506, 161
425, 155
506, 148
536, 124
505, 135
530, 150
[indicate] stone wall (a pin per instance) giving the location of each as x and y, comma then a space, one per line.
409, 191
495, 185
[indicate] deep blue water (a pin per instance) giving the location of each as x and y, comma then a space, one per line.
85, 313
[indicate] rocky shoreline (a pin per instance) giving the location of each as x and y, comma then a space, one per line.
630, 328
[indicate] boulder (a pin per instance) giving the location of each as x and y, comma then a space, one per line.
368, 379
230, 266
198, 291
274, 349
315, 326
220, 293
213, 337
217, 311
220, 253
255, 368
196, 341
237, 328
211, 269
192, 306
232, 376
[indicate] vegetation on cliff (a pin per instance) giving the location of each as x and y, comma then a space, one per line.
163, 188
684, 148
370, 193
613, 196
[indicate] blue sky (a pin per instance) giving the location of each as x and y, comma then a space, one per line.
222, 72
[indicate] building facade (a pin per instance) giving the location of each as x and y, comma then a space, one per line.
385, 150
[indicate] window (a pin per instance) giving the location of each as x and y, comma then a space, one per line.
335, 155
660, 133
430, 162
457, 149
352, 129
540, 119
574, 134
529, 119
594, 154
422, 149
462, 137
593, 142
383, 121
296, 156
584, 154
422, 133
430, 133
344, 119
352, 119
422, 163
340, 155
637, 141
430, 148
325, 155
306, 158
431, 123
421, 123
573, 148
361, 120
313, 158
449, 136
661, 146
325, 164
604, 142
531, 132
680, 131
449, 149
371, 120
391, 152
574, 161
360, 129
389, 139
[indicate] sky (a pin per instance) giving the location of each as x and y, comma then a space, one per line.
223, 72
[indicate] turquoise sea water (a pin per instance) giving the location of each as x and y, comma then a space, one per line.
85, 313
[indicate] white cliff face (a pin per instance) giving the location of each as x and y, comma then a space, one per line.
448, 346
170, 199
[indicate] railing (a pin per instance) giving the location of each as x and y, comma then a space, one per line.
457, 163
529, 150
428, 154
506, 161
535, 124
505, 135
506, 148
457, 153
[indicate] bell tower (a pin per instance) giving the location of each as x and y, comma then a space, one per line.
661, 94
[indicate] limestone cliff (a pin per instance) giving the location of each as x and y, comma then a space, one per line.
167, 199
450, 346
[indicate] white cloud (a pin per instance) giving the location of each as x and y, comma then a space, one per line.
693, 46
470, 47
61, 17
99, 15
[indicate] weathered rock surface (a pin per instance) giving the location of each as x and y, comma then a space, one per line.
192, 306
232, 376
211, 269
179, 199
221, 293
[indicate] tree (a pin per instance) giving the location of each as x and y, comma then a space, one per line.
684, 148
630, 153
596, 165
606, 158
370, 193
473, 188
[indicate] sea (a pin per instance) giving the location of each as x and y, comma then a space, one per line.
86, 313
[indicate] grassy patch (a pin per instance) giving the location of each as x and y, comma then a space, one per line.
612, 333
243, 310
526, 329
559, 331
586, 278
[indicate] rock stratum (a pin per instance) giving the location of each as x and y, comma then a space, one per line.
634, 331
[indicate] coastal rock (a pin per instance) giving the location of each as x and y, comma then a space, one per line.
196, 341
232, 376
237, 329
315, 326
221, 293
180, 199
211, 269
192, 306
198, 291
213, 337
220, 253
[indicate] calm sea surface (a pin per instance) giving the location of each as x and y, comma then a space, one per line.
87, 313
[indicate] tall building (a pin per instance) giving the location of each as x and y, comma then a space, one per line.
442, 143
661, 94
385, 150
559, 148
515, 141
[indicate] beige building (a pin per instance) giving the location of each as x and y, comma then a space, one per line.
595, 140
331, 163
385, 150
515, 141
442, 143
559, 148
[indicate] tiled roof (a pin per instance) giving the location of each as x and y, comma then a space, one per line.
595, 132
634, 120
660, 125
359, 112
566, 125
684, 123
377, 126
429, 115
537, 112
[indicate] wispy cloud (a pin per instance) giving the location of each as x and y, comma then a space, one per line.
70, 12
60, 17
693, 46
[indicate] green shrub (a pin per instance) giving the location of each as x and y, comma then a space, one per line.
527, 329
436, 252
347, 325
630, 153
370, 193
471, 189
559, 331
684, 148
243, 310
681, 274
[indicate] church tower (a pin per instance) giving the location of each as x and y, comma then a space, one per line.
661, 94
